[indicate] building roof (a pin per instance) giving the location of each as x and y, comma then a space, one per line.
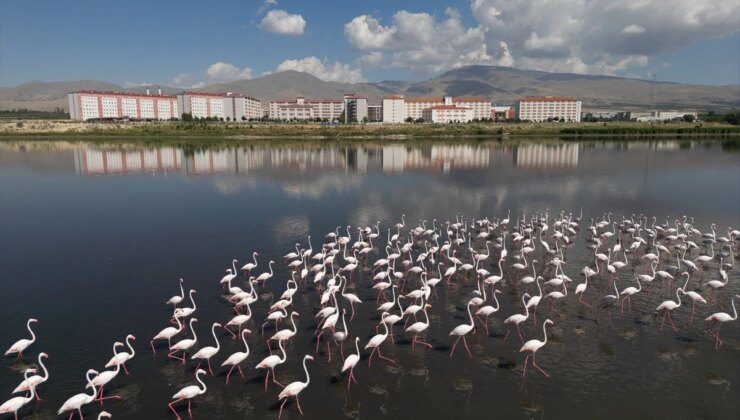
548, 99
110, 92
293, 105
393, 97
448, 107
308, 101
460, 99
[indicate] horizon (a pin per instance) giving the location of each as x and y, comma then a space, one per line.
48, 42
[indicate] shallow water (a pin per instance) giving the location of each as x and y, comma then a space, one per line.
93, 239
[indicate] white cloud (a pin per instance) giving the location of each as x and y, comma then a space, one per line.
599, 36
422, 43
336, 72
283, 23
585, 36
225, 72
266, 5
633, 29
183, 80
371, 59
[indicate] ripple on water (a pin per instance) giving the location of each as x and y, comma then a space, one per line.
462, 384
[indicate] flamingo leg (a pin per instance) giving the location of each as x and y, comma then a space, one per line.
298, 402
520, 333
455, 345
240, 371
229, 374
524, 372
371, 356
534, 363
465, 342
281, 407
383, 357
274, 379
190, 413
209, 366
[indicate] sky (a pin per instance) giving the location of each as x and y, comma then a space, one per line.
187, 43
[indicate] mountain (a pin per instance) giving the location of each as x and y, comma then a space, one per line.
503, 85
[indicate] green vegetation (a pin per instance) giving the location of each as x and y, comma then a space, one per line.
25, 114
731, 117
257, 129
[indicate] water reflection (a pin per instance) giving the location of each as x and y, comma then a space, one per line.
101, 161
545, 156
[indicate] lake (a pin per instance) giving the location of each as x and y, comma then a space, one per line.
94, 237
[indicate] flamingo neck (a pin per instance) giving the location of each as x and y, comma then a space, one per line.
115, 355
733, 309
305, 369
197, 378
244, 340
282, 349
182, 291
192, 300
33, 336
469, 314
128, 343
292, 320
357, 347
46, 372
544, 331
213, 331
92, 385
192, 330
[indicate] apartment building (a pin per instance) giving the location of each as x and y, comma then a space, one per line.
447, 114
393, 109
548, 107
304, 109
90, 105
355, 108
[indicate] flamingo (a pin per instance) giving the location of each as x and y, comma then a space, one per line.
186, 312
339, 336
35, 380
124, 356
533, 301
581, 289
103, 378
184, 345
167, 334
188, 393
295, 388
77, 401
628, 292
720, 318
175, 300
695, 297
248, 267
104, 415
270, 362
238, 357
377, 340
351, 297
461, 331
488, 310
532, 346
667, 306
208, 351
16, 403
239, 321
232, 273
285, 334
23, 344
419, 327
266, 276
351, 361
517, 319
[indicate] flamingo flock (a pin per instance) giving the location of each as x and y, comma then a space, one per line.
526, 258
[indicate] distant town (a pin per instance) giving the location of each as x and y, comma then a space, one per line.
90, 105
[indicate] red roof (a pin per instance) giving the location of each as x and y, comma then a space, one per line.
461, 99
448, 107
548, 99
393, 97
112, 93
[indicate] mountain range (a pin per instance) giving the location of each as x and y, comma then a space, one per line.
503, 85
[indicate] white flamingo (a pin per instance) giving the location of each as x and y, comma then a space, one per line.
720, 318
351, 361
188, 393
24, 343
270, 362
208, 351
167, 334
295, 388
35, 380
461, 331
16, 403
124, 356
103, 378
532, 346
177, 299
185, 344
77, 401
238, 357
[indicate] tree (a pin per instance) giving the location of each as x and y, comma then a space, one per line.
244, 117
187, 117
419, 120
365, 119
409, 120
688, 118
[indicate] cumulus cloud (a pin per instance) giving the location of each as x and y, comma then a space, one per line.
225, 72
183, 80
336, 72
266, 5
422, 43
599, 36
283, 23
584, 36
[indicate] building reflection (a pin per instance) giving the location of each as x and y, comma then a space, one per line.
399, 158
101, 161
546, 156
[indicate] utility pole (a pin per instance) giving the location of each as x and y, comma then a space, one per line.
652, 94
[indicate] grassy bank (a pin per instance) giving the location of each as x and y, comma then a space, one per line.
167, 130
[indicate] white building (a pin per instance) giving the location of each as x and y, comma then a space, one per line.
393, 109
664, 116
242, 108
304, 109
414, 107
447, 114
89, 105
202, 105
547, 108
375, 113
355, 108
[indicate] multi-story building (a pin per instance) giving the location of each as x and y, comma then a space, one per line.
397, 109
375, 113
355, 108
242, 108
548, 108
89, 105
447, 114
304, 109
393, 109
202, 105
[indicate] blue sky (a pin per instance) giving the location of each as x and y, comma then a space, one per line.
188, 43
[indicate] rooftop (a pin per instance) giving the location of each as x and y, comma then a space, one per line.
110, 92
548, 99
448, 107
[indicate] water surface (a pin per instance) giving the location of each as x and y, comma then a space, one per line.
94, 237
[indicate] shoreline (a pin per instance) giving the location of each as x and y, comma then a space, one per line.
167, 131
